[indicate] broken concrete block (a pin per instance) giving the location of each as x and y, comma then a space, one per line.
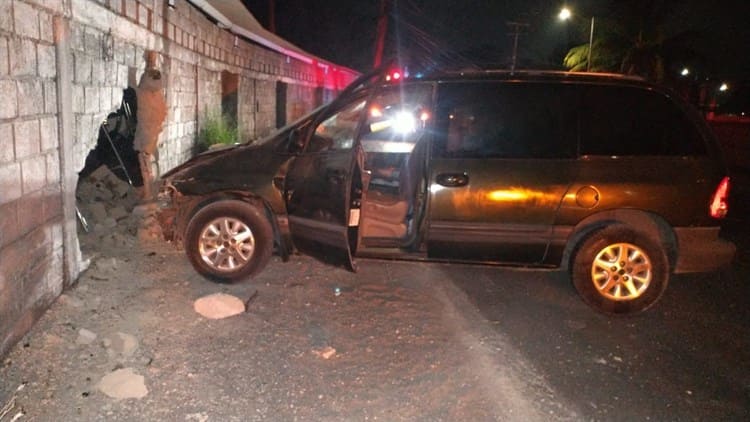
123, 384
144, 210
97, 211
71, 301
218, 306
118, 212
326, 352
85, 336
122, 344
107, 265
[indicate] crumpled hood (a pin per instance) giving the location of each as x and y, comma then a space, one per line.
243, 167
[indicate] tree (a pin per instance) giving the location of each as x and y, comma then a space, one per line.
636, 43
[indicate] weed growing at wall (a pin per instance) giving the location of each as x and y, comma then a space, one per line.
217, 129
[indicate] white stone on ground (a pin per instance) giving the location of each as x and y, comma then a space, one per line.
121, 344
85, 336
123, 384
218, 306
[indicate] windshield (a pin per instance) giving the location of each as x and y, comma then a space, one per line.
300, 122
355, 88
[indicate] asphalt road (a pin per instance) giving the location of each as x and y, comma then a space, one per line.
687, 359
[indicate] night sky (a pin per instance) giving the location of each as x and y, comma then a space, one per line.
466, 33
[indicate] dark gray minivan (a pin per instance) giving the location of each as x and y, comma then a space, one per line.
606, 176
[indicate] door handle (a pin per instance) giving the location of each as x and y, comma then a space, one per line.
453, 180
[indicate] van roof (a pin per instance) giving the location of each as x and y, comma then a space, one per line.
527, 74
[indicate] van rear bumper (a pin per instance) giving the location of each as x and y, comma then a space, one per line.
700, 249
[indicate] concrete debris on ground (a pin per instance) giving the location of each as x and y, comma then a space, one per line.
120, 345
325, 353
112, 212
123, 384
69, 300
85, 336
219, 306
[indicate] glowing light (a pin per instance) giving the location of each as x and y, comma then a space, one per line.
724, 87
685, 71
506, 195
424, 116
565, 14
404, 122
396, 76
375, 111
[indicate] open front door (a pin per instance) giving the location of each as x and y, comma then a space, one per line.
318, 188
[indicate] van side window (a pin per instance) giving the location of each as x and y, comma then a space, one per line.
621, 121
503, 120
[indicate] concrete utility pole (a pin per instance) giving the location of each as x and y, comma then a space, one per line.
382, 28
516, 27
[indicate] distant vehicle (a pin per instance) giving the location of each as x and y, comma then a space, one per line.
606, 176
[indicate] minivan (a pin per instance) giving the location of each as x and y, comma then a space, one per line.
608, 177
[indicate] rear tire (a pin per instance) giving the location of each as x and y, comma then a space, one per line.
618, 270
228, 241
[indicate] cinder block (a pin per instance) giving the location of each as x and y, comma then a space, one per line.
26, 138
55, 6
9, 105
6, 16
91, 95
130, 9
52, 202
45, 27
8, 226
10, 182
30, 97
79, 99
30, 219
143, 15
105, 98
76, 38
6, 143
122, 76
34, 173
22, 53
50, 97
26, 20
4, 66
48, 133
92, 41
46, 61
82, 68
53, 168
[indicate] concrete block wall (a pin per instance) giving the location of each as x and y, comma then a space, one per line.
31, 217
60, 81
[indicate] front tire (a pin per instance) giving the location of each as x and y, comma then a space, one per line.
228, 241
617, 270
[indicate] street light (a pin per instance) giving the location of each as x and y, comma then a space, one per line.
566, 14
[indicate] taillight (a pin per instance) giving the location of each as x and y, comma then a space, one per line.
720, 199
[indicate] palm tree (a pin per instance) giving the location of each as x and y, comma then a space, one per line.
635, 43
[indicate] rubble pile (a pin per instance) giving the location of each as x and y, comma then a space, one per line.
112, 213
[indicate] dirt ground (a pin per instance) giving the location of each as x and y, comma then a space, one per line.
408, 344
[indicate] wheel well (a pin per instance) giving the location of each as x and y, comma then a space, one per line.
646, 223
196, 204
